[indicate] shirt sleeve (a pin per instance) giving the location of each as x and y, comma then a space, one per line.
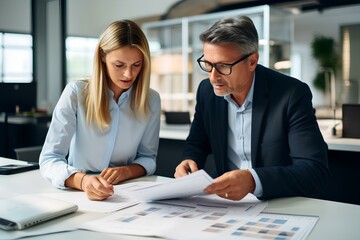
53, 164
148, 147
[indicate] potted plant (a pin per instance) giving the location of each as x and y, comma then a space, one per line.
324, 51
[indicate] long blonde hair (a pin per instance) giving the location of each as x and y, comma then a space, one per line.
117, 34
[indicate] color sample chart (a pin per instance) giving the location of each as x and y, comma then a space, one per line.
184, 222
276, 226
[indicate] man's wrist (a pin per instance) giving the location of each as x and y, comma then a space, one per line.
258, 191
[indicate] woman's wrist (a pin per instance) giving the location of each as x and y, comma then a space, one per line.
81, 182
75, 181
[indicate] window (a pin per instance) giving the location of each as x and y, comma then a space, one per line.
16, 58
79, 57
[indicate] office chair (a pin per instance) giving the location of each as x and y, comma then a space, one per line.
29, 154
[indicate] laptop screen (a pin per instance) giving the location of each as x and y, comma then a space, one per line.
351, 119
177, 117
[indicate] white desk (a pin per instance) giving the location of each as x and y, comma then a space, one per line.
335, 142
337, 220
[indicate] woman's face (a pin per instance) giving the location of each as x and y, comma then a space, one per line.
123, 66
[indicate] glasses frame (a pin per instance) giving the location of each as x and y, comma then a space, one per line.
214, 65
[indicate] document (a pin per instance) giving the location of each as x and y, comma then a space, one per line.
159, 218
130, 194
111, 204
178, 209
175, 221
190, 185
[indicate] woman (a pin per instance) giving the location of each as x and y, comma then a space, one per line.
108, 124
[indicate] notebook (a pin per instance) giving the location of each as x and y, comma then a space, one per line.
23, 211
17, 168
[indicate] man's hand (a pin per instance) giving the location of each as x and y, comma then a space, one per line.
234, 185
185, 167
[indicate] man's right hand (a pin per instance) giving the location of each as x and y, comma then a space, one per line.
185, 167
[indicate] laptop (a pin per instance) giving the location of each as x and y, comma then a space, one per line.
177, 117
23, 211
350, 118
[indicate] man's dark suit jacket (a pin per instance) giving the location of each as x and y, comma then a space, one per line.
288, 151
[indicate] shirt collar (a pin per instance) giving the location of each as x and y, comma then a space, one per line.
123, 97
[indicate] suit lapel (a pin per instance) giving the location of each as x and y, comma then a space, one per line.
222, 126
260, 101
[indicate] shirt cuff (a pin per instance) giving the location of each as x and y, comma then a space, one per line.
258, 192
148, 164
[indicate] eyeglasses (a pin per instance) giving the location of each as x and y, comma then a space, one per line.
222, 68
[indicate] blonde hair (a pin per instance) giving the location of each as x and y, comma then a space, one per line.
118, 34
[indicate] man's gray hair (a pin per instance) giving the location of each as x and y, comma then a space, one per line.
239, 31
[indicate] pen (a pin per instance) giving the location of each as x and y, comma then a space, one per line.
189, 170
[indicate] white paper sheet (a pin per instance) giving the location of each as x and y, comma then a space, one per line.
130, 194
190, 185
111, 204
249, 205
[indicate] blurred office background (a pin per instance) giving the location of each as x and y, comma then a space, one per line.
51, 41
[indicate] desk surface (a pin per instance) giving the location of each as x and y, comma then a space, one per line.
337, 220
25, 118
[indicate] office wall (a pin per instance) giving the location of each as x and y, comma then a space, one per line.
15, 16
88, 18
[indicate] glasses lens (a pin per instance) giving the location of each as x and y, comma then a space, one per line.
206, 66
224, 69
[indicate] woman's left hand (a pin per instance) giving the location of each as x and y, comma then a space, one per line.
115, 175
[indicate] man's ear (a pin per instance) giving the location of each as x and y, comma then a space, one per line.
253, 60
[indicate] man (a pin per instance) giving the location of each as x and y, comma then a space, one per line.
258, 124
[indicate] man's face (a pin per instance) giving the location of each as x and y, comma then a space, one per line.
240, 79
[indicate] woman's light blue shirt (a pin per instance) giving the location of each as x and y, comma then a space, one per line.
128, 140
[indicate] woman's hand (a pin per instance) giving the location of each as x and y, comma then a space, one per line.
119, 174
114, 175
96, 187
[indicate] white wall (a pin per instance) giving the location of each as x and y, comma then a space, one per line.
15, 16
84, 17
88, 18
327, 23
